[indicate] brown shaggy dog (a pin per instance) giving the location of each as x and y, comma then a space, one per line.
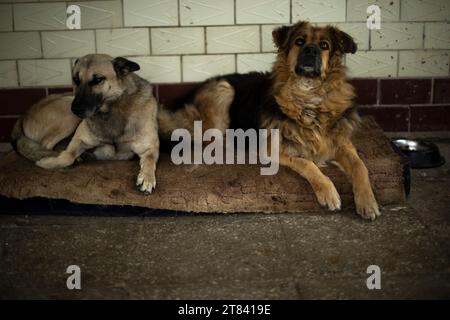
306, 97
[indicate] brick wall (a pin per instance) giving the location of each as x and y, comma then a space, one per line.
397, 104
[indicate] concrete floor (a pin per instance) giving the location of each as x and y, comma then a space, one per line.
239, 256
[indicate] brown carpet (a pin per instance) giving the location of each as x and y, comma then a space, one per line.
202, 188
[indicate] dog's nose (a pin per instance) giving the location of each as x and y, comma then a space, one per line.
312, 50
78, 112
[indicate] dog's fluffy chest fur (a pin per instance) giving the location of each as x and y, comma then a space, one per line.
319, 118
108, 126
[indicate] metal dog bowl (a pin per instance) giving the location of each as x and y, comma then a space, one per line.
420, 153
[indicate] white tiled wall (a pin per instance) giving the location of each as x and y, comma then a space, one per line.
49, 72
101, 14
20, 45
255, 62
267, 44
394, 35
390, 9
144, 13
206, 12
66, 44
232, 39
8, 74
437, 35
6, 23
123, 41
319, 11
425, 10
373, 64
187, 40
39, 16
257, 11
160, 69
423, 63
197, 68
190, 40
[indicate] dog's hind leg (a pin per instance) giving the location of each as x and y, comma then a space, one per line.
54, 136
33, 150
81, 141
27, 147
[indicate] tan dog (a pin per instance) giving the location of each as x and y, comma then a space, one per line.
306, 96
118, 112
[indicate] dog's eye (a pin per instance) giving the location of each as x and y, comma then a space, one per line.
324, 45
97, 80
300, 41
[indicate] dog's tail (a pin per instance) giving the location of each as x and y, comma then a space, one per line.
169, 120
27, 147
209, 103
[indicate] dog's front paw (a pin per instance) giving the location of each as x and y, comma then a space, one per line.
48, 163
146, 182
328, 196
366, 206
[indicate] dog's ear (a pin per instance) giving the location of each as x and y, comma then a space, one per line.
75, 64
124, 66
343, 41
280, 37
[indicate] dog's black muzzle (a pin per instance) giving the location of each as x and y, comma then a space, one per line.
85, 106
309, 62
